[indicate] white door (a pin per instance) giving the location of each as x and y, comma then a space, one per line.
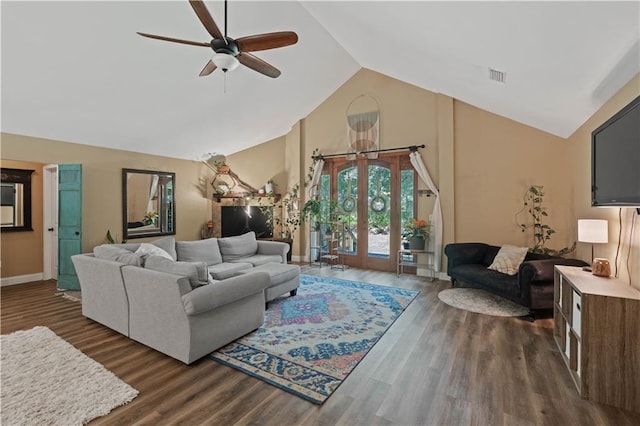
50, 207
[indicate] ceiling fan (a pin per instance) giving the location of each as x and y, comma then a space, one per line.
229, 52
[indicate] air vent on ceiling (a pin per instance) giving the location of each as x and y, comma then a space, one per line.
499, 76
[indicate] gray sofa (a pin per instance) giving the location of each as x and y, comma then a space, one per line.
172, 302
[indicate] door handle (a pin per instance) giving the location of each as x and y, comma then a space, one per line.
77, 233
50, 229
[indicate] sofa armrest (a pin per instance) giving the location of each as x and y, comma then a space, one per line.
464, 253
273, 248
539, 271
211, 296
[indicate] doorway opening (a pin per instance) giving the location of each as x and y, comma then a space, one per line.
50, 221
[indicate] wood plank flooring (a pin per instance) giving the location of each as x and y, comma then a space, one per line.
435, 366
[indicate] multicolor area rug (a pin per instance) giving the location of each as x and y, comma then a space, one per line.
481, 302
310, 343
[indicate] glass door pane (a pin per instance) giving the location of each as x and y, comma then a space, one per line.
347, 191
379, 211
406, 197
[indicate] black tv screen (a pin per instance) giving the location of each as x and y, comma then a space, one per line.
236, 221
615, 159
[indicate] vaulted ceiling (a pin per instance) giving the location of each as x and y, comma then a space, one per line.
77, 71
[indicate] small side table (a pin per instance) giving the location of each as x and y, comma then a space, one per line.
407, 257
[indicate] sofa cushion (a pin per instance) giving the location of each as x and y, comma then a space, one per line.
234, 248
146, 250
222, 271
479, 276
195, 271
127, 246
167, 244
260, 259
508, 259
117, 254
206, 251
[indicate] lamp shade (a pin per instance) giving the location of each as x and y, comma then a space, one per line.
225, 62
593, 231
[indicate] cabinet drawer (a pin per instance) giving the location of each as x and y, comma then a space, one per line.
576, 316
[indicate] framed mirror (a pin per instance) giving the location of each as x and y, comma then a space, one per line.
148, 203
15, 200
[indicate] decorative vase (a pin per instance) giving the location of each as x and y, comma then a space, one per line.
268, 188
416, 243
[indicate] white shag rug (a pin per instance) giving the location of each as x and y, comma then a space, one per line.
482, 302
45, 380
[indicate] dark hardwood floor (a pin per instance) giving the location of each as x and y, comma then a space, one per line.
435, 366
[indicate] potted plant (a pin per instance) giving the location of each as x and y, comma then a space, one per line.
221, 166
416, 232
270, 187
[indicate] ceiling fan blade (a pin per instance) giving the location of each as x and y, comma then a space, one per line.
208, 69
267, 41
175, 40
257, 64
206, 19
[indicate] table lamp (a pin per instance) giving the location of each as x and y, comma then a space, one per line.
594, 231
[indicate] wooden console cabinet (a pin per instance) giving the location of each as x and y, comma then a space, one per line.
597, 329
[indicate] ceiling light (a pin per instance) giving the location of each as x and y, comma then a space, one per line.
225, 61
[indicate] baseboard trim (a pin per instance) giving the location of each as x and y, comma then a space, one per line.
20, 279
297, 258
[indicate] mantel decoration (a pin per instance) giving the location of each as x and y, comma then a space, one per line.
416, 231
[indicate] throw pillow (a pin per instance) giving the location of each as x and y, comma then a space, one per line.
508, 259
234, 248
146, 249
199, 251
117, 254
167, 244
195, 271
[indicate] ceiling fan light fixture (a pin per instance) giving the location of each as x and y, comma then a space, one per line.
225, 61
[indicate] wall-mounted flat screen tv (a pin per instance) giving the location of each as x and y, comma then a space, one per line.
615, 159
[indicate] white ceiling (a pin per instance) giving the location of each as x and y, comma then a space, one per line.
78, 72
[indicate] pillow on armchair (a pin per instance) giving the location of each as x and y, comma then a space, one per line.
508, 259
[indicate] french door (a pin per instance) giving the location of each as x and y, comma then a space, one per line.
374, 199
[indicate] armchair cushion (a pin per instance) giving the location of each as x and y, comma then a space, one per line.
237, 247
195, 271
206, 251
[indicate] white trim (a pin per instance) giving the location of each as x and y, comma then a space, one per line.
48, 221
20, 279
298, 259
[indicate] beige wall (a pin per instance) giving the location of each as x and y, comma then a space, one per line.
260, 163
496, 160
22, 251
580, 153
102, 189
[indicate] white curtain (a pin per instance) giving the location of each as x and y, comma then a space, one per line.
153, 194
315, 179
435, 244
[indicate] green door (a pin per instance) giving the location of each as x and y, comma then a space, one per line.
69, 223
